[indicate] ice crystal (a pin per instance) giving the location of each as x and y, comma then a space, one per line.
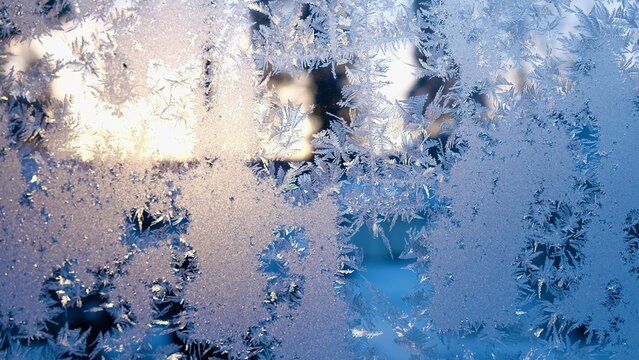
319, 179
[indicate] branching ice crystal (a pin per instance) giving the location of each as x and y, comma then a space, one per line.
319, 179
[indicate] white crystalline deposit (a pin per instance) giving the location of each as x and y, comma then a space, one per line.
193, 179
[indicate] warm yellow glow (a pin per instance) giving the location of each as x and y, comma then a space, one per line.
155, 121
150, 108
157, 125
299, 92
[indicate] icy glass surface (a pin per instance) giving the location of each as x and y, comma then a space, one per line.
319, 179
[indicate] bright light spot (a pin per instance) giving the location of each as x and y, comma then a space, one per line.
299, 91
153, 119
156, 125
400, 75
149, 108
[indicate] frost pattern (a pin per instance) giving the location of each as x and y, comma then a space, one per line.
193, 179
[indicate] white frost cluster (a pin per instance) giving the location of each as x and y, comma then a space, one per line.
189, 179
